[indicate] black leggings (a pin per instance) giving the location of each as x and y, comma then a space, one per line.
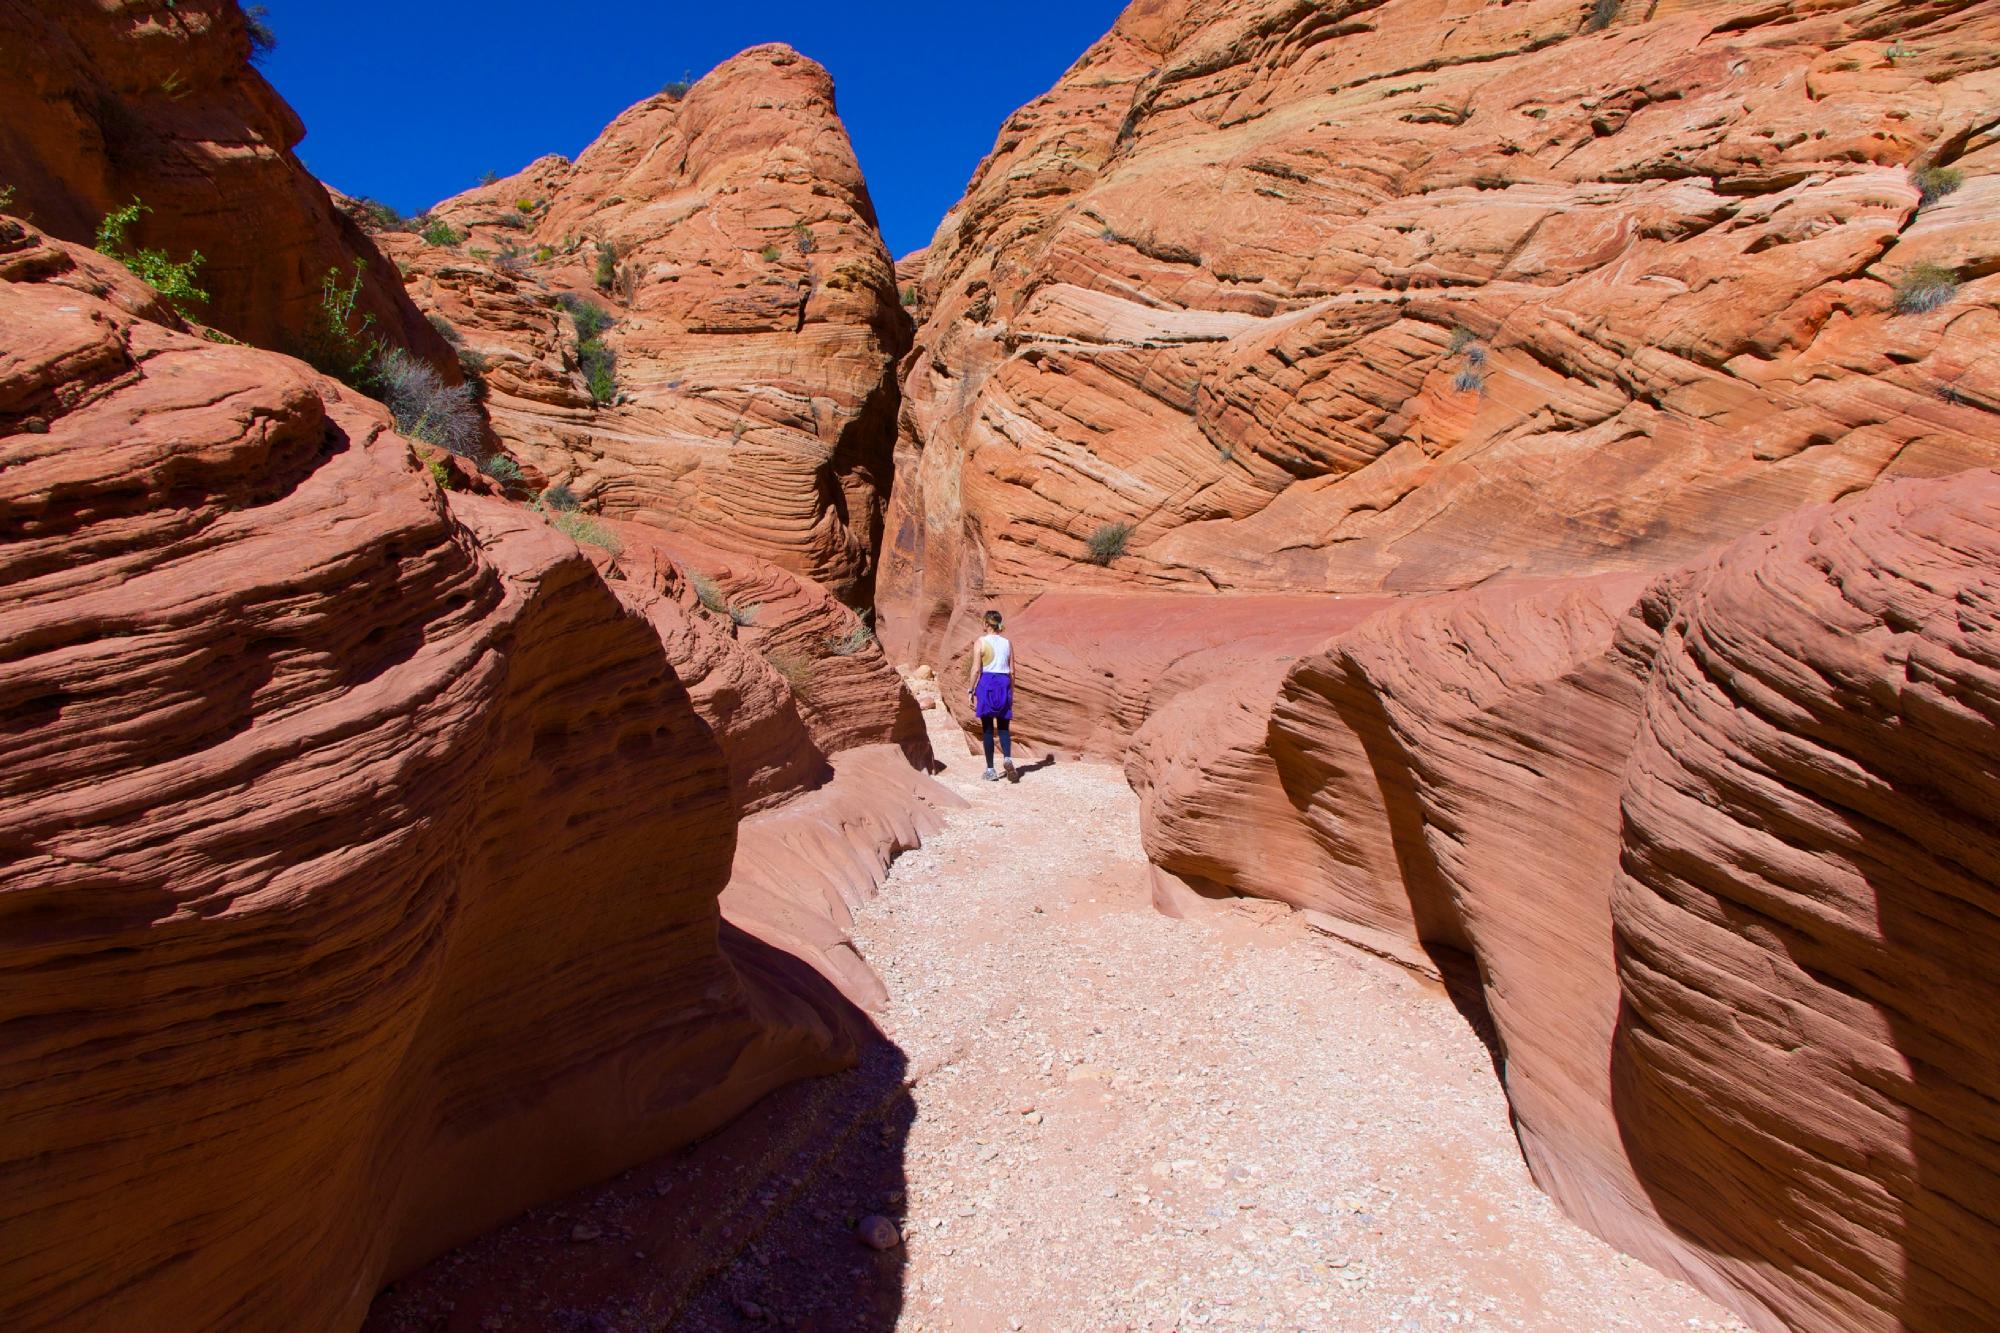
986, 726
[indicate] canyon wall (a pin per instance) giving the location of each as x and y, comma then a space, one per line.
1721, 846
754, 314
106, 101
1409, 434
386, 853
1399, 297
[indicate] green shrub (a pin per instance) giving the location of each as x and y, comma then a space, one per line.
910, 296
336, 343
544, 253
472, 361
378, 216
440, 473
428, 409
489, 178
518, 221
1923, 288
525, 205
579, 528
802, 236
439, 232
6, 196
1461, 338
501, 468
594, 356
175, 282
257, 26
772, 254
607, 266
1934, 183
445, 329
1109, 542
1468, 380
677, 89
590, 318
560, 498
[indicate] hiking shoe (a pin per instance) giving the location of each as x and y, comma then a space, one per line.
991, 776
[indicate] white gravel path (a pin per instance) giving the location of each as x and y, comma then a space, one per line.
1126, 1120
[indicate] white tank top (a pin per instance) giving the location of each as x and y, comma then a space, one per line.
1001, 660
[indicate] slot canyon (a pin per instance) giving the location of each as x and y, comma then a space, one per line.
1495, 505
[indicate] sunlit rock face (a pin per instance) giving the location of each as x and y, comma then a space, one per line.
1402, 297
754, 315
105, 102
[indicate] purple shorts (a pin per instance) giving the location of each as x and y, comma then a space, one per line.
994, 696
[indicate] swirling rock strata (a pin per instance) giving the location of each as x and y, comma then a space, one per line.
359, 848
756, 319
1403, 296
1721, 847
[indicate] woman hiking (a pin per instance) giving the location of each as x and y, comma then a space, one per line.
993, 692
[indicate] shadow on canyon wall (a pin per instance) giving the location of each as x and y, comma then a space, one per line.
754, 1227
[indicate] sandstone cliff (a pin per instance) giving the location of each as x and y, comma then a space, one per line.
362, 848
106, 101
1404, 296
1721, 848
754, 319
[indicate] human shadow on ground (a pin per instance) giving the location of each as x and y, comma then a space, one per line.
1022, 770
753, 1227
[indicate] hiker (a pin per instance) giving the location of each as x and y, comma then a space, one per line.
993, 691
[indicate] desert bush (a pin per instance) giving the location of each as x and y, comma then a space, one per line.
518, 221
378, 216
446, 330
525, 205
544, 253
1601, 14
590, 318
594, 356
706, 592
472, 361
1923, 288
677, 89
850, 643
439, 473
6, 196
426, 408
1461, 338
796, 668
1468, 380
1109, 542
509, 261
489, 178
581, 528
257, 26
1475, 355
561, 498
439, 232
174, 281
339, 341
1934, 183
607, 266
626, 286
910, 297
771, 254
501, 468
802, 235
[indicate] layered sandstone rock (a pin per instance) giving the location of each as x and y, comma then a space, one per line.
1410, 295
106, 101
756, 319
362, 843
1722, 849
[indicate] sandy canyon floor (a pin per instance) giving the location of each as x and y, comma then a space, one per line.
1087, 1115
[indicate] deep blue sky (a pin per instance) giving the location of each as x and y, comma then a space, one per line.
410, 102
